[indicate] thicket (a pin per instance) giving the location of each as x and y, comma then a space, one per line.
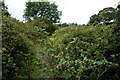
43, 11
20, 48
77, 52
85, 52
118, 15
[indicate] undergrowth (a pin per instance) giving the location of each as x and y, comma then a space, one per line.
85, 52
76, 52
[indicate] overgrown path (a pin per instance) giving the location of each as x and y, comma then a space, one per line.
45, 72
42, 55
46, 67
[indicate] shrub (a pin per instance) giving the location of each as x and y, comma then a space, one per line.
20, 49
85, 52
49, 28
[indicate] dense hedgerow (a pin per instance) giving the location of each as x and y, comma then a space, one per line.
49, 28
20, 49
85, 52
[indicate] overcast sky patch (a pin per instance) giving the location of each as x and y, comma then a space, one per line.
73, 11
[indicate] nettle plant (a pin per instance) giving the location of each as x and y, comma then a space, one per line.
87, 53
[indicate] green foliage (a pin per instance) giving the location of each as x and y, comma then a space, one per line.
104, 16
86, 53
44, 11
63, 25
41, 25
118, 14
20, 49
38, 29
94, 19
74, 52
66, 25
4, 9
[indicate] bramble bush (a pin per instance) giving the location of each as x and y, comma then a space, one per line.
20, 49
49, 28
85, 52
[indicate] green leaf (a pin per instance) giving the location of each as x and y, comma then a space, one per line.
60, 63
78, 70
57, 56
112, 55
50, 49
42, 30
64, 62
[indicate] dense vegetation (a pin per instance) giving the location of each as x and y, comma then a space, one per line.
20, 48
87, 52
43, 11
106, 16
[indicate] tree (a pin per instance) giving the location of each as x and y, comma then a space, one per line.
44, 11
94, 19
118, 14
106, 16
4, 9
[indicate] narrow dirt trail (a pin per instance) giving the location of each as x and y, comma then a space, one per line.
44, 59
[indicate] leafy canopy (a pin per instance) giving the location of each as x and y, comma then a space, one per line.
104, 16
44, 11
4, 9
118, 14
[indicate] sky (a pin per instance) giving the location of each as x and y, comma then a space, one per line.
73, 11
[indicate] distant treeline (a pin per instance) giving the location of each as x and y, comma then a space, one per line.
66, 24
